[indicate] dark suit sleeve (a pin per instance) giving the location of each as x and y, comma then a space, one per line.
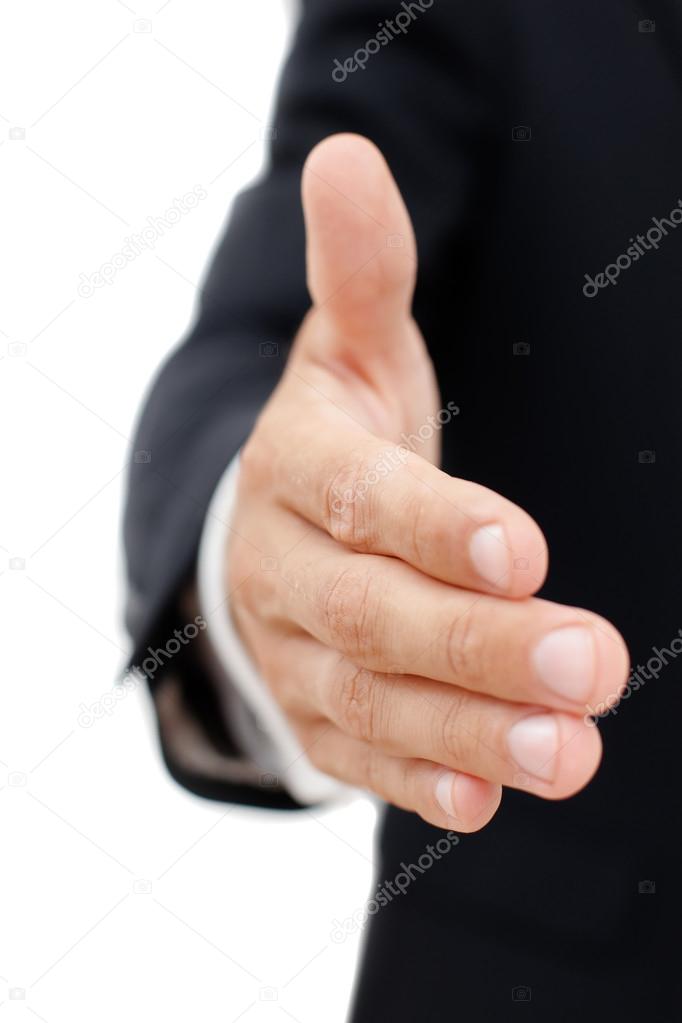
413, 99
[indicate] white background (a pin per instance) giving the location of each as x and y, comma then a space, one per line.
118, 122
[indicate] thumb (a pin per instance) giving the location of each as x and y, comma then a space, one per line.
361, 250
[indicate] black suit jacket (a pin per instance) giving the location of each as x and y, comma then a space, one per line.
570, 406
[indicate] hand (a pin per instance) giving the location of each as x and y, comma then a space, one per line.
389, 606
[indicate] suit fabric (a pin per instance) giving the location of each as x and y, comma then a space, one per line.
570, 406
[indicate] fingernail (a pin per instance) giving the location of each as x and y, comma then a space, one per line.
489, 554
565, 661
534, 743
444, 793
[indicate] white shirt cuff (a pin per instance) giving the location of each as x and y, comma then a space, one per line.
256, 719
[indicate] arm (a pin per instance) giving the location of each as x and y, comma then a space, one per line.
384, 628
206, 397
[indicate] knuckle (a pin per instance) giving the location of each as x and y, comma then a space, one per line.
420, 541
464, 647
431, 531
349, 610
358, 704
409, 795
348, 514
454, 735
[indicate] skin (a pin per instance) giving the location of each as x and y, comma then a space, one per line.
400, 666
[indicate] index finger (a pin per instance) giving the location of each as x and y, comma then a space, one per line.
378, 497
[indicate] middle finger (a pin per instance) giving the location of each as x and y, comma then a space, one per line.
386, 616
